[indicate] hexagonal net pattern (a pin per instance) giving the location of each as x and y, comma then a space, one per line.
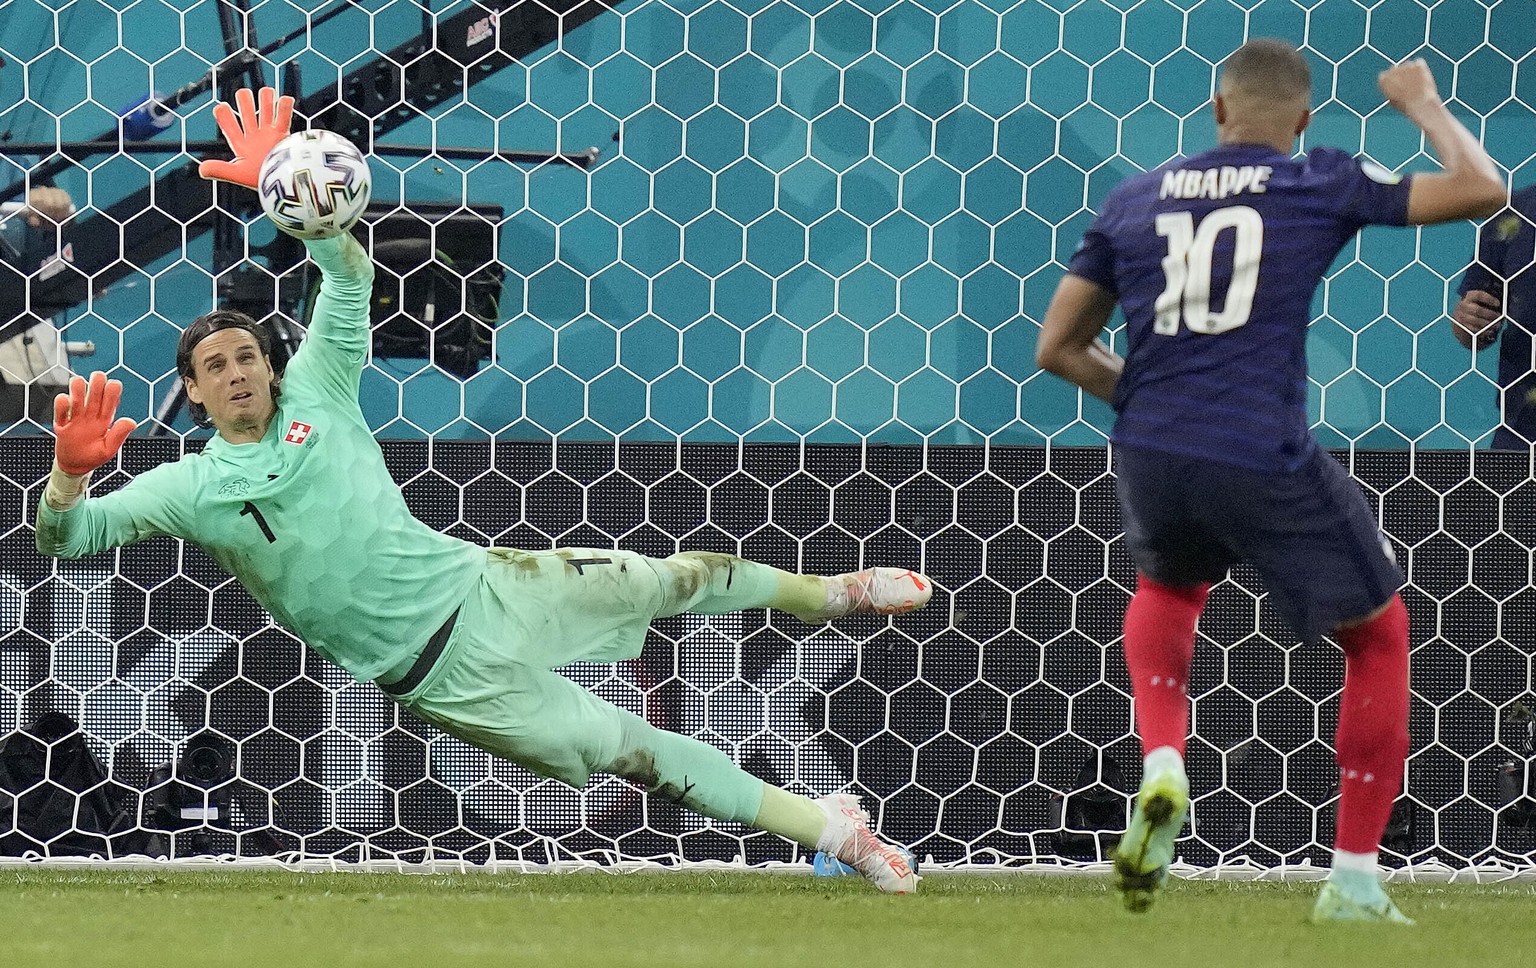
788, 312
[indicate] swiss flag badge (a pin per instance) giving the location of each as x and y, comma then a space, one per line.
297, 432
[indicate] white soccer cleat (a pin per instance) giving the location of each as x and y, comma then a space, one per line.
1337, 904
881, 591
848, 838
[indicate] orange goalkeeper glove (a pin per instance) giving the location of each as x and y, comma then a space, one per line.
87, 435
251, 137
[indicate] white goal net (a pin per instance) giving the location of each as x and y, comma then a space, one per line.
786, 309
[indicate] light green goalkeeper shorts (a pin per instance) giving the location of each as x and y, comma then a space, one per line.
532, 612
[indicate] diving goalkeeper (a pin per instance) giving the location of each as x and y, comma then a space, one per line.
293, 498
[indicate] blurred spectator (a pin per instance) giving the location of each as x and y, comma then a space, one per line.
1498, 304
34, 366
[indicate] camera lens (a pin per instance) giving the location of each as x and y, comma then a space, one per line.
205, 764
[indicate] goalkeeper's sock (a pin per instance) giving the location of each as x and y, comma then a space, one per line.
800, 594
791, 816
1372, 740
706, 583
712, 584
1159, 647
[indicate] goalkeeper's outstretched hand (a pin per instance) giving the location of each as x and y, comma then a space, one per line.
87, 435
251, 136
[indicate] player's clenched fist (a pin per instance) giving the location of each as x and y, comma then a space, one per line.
86, 424
1409, 85
1478, 315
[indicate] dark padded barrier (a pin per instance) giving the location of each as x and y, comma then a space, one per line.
965, 723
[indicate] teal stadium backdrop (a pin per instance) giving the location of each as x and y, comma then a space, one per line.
831, 221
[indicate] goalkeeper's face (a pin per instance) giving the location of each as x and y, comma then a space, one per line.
232, 379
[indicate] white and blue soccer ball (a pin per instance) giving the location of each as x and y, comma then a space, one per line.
314, 184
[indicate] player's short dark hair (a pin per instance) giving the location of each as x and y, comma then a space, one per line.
1270, 67
205, 326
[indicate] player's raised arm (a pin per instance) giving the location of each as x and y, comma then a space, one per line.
1469, 186
296, 178
1069, 337
341, 311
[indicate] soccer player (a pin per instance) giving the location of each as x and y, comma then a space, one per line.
1214, 259
292, 496
1501, 286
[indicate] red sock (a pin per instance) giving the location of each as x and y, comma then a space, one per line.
1372, 741
1159, 647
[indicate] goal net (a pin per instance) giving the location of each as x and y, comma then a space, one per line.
787, 309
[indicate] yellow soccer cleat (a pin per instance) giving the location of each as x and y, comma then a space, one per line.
1144, 853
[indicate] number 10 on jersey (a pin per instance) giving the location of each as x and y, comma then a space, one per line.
1187, 269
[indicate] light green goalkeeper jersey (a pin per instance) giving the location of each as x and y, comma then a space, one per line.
308, 519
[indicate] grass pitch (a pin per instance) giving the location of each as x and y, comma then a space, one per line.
254, 919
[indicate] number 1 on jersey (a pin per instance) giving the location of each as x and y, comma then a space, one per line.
261, 522
1188, 265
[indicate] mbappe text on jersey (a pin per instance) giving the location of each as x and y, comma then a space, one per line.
1215, 183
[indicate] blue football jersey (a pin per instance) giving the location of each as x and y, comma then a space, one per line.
1214, 260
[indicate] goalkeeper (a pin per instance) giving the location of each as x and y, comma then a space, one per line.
292, 496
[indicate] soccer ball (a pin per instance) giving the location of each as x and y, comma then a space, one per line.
314, 184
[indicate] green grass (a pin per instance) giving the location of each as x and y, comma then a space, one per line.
63, 918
